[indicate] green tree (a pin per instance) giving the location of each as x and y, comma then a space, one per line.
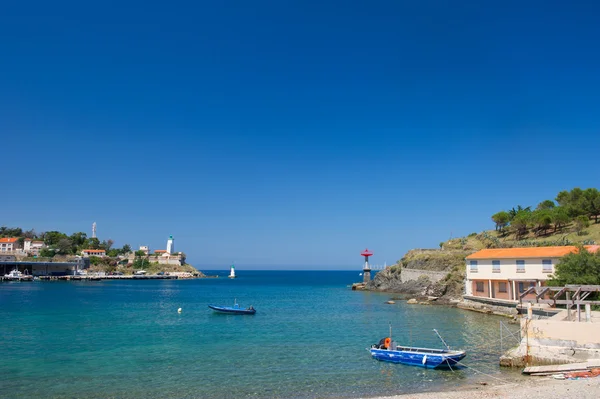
548, 204
572, 201
501, 219
590, 201
126, 249
92, 243
47, 252
580, 268
29, 234
53, 237
520, 223
140, 253
64, 246
581, 222
79, 239
542, 219
560, 218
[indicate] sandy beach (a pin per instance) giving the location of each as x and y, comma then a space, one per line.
533, 388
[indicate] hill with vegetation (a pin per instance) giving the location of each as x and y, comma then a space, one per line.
570, 219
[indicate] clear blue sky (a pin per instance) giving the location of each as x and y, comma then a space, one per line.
293, 134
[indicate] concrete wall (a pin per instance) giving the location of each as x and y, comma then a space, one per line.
555, 341
414, 274
559, 332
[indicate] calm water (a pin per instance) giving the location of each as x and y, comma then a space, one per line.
125, 339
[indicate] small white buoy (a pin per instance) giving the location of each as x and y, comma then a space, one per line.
179, 310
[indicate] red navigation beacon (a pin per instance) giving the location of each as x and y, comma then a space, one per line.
366, 269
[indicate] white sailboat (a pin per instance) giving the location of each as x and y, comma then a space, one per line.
232, 272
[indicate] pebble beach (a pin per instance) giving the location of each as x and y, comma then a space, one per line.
530, 388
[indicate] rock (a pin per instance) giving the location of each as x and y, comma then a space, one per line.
390, 302
412, 301
432, 298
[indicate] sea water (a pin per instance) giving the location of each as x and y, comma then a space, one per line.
308, 339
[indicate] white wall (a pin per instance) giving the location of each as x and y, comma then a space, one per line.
508, 269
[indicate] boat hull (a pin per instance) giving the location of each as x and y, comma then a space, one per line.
430, 360
230, 310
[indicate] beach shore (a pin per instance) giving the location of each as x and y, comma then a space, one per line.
531, 388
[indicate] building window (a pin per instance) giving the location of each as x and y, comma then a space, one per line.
501, 286
496, 266
521, 287
473, 265
479, 285
520, 266
546, 265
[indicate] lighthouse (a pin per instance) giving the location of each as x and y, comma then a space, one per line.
366, 268
170, 245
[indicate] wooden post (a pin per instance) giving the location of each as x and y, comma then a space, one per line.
568, 294
588, 312
529, 311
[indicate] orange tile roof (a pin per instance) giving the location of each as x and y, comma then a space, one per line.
528, 252
9, 239
94, 250
160, 250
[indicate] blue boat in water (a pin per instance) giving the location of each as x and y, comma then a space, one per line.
387, 350
235, 309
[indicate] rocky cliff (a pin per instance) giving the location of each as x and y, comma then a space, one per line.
431, 273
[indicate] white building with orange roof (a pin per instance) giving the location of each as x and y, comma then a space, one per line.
505, 273
94, 252
10, 244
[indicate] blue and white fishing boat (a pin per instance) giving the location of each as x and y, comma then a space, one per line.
387, 350
235, 309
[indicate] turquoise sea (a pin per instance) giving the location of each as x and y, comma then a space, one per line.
125, 339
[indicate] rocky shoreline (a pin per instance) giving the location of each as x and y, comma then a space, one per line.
428, 276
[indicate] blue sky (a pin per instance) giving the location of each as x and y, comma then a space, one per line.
293, 134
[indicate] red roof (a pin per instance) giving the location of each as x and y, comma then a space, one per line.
94, 250
9, 239
528, 252
160, 250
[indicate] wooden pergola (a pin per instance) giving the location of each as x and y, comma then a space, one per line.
574, 295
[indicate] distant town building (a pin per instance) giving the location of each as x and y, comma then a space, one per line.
505, 273
162, 256
10, 244
94, 252
33, 247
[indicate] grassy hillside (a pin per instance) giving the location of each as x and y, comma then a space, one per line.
494, 239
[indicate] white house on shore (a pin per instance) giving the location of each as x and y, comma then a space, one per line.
505, 273
33, 247
10, 244
94, 252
